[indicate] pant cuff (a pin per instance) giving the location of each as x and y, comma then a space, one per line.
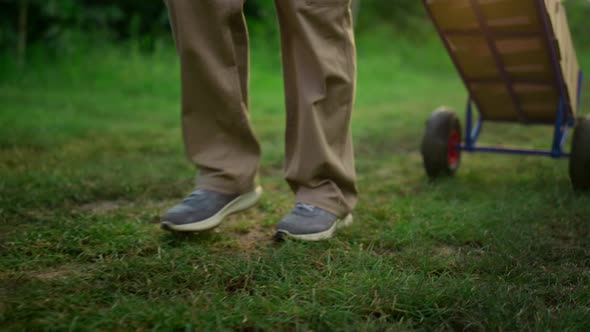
224, 186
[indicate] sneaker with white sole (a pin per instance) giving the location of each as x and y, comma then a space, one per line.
205, 209
310, 223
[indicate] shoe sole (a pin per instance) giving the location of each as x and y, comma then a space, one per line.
327, 234
240, 203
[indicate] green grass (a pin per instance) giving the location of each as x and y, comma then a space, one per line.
90, 154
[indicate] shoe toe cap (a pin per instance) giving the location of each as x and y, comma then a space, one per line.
178, 215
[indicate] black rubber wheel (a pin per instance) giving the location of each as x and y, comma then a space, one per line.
580, 157
442, 135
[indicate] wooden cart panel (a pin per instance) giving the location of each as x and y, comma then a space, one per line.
505, 53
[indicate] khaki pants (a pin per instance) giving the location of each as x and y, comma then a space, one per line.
319, 72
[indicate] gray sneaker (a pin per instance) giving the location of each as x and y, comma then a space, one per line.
310, 223
205, 209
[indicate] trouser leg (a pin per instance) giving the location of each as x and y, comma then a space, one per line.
212, 41
320, 71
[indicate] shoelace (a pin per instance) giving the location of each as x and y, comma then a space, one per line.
307, 207
197, 194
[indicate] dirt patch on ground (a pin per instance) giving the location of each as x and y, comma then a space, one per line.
151, 209
254, 237
445, 251
449, 251
102, 207
58, 272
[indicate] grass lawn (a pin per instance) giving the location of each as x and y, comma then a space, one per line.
90, 155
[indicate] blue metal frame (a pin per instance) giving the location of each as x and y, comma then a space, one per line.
564, 119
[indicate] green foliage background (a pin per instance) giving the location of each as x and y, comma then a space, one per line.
64, 24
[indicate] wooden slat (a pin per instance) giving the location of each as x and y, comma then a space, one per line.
498, 59
509, 45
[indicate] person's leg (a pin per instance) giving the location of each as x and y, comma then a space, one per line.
212, 42
319, 71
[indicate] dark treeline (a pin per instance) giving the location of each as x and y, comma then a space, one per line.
53, 22
50, 22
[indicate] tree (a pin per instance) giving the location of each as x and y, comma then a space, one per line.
22, 32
